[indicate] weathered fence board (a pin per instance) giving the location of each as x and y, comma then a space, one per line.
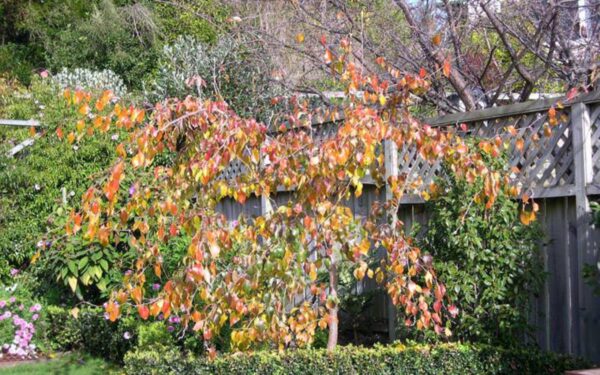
27, 123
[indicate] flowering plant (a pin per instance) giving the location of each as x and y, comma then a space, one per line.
18, 318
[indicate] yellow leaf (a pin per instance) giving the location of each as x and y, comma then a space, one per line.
72, 283
313, 272
75, 312
382, 99
359, 274
35, 257
80, 126
300, 38
359, 188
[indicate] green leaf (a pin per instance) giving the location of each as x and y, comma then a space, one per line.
83, 262
104, 264
102, 285
73, 267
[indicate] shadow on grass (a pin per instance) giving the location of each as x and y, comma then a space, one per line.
68, 364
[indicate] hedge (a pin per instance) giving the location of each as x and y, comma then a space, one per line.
447, 359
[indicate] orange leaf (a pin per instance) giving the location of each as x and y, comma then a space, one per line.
84, 109
437, 39
519, 144
527, 217
446, 68
113, 311
136, 294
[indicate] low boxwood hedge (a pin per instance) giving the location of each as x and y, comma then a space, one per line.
446, 359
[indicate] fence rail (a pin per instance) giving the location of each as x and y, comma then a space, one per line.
27, 123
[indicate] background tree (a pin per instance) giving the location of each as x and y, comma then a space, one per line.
481, 53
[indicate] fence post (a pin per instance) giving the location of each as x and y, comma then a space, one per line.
582, 159
265, 205
390, 153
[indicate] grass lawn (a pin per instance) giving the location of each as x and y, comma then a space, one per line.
68, 364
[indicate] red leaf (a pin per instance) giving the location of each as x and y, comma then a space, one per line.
453, 310
143, 311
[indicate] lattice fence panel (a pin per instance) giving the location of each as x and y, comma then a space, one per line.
545, 161
595, 132
321, 132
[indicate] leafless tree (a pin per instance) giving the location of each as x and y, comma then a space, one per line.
479, 52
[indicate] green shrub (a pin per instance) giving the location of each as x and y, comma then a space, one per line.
153, 335
89, 332
229, 69
14, 62
34, 184
123, 39
62, 331
413, 359
487, 259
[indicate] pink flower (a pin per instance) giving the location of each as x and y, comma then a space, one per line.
44, 74
14, 272
2, 304
12, 299
35, 317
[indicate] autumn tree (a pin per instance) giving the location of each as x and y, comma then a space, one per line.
260, 277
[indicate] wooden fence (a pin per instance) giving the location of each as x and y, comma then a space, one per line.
562, 171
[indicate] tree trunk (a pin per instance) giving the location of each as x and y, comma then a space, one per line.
333, 312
